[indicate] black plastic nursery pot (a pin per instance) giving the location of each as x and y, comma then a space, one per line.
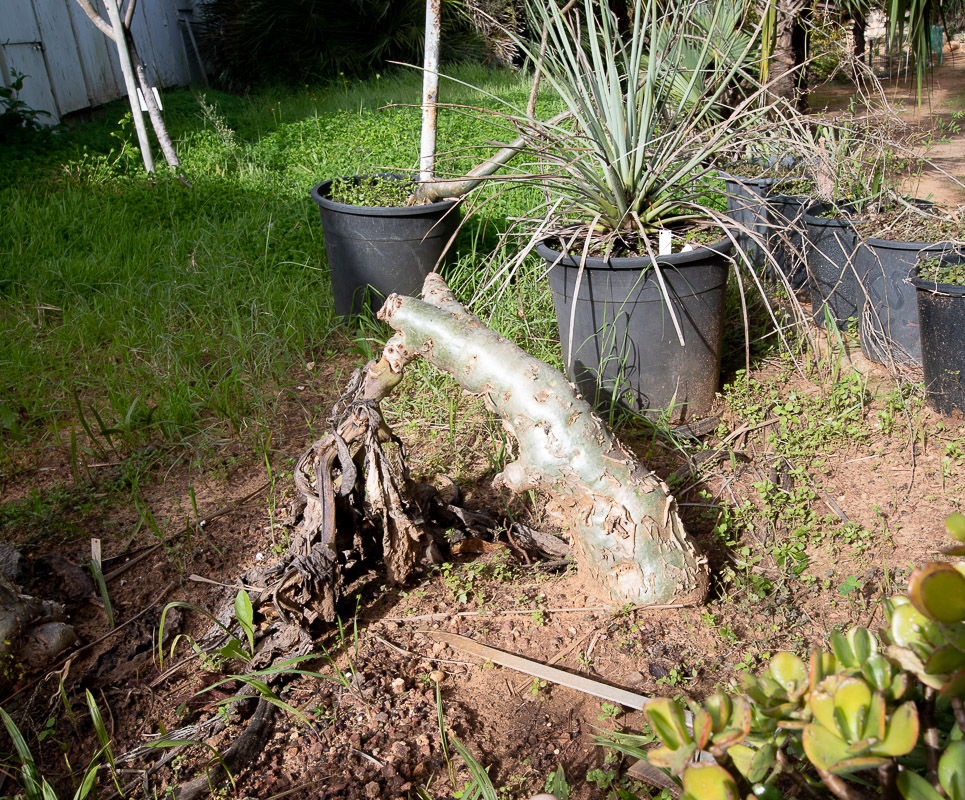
831, 247
375, 251
888, 328
623, 346
941, 321
747, 205
785, 238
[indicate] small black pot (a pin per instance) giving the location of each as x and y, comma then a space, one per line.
941, 321
374, 251
830, 263
625, 348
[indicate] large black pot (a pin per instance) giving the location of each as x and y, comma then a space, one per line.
941, 322
830, 263
889, 319
747, 205
624, 347
374, 251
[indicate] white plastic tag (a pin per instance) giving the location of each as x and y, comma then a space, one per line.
143, 103
663, 243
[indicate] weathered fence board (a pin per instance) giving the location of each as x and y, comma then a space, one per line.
71, 65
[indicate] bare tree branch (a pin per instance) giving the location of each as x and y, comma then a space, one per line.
102, 24
129, 13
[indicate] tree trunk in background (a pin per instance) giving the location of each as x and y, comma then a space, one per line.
788, 70
858, 25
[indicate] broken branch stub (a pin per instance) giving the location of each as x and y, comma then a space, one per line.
627, 535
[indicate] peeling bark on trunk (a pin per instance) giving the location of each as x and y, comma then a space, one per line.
627, 535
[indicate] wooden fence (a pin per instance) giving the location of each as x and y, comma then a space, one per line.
70, 65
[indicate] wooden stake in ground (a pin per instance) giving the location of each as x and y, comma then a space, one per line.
627, 537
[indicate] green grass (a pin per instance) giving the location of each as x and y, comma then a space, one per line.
137, 308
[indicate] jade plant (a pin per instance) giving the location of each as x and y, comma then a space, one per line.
867, 716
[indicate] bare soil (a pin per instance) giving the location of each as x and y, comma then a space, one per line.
375, 730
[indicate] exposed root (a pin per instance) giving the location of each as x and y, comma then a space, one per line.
242, 752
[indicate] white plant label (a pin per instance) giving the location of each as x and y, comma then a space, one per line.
663, 243
143, 103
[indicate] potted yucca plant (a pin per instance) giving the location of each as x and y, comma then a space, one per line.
635, 234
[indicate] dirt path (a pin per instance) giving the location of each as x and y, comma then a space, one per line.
942, 114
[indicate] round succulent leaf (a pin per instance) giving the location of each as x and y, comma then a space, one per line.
899, 687
703, 726
937, 590
953, 687
820, 666
951, 770
878, 671
954, 550
842, 650
764, 791
764, 762
824, 748
719, 706
752, 688
739, 725
673, 759
945, 660
902, 733
955, 524
709, 782
851, 765
743, 758
954, 634
906, 659
790, 672
907, 626
851, 701
894, 602
915, 787
821, 704
876, 724
666, 717
863, 644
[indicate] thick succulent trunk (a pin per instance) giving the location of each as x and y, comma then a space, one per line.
623, 522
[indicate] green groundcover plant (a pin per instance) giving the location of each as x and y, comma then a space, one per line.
940, 270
